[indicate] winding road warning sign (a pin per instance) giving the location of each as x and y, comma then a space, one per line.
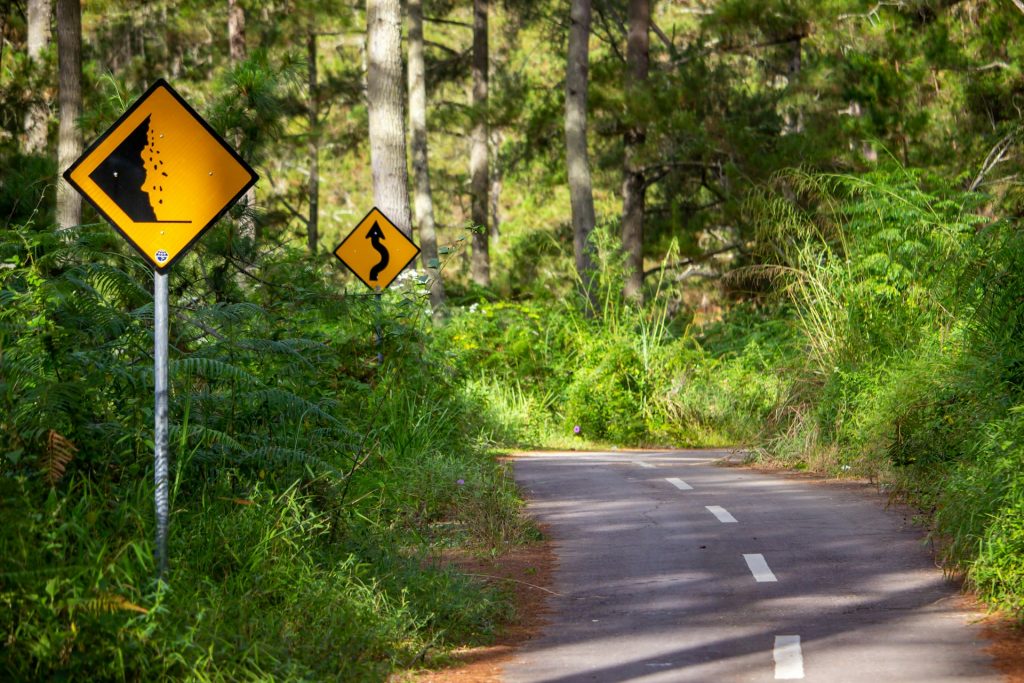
376, 251
161, 176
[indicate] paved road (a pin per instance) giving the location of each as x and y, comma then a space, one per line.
674, 569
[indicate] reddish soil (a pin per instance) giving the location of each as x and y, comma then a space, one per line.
1007, 647
527, 572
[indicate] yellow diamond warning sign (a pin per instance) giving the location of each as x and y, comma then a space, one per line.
376, 251
161, 175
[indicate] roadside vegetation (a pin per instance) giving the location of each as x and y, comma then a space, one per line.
878, 337
798, 235
309, 486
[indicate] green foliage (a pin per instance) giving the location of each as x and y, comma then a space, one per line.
308, 485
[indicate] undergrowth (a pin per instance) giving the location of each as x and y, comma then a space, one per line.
882, 341
309, 484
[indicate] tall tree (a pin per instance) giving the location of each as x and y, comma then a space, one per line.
581, 194
38, 114
478, 183
633, 182
423, 203
313, 145
236, 31
69, 83
387, 117
237, 53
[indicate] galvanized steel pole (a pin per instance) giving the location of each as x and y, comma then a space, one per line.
378, 329
160, 315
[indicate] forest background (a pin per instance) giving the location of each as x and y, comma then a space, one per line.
788, 226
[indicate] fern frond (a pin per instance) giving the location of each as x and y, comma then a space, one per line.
293, 348
279, 455
114, 285
204, 436
284, 403
108, 603
58, 454
212, 369
225, 314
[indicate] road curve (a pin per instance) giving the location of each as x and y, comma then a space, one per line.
673, 569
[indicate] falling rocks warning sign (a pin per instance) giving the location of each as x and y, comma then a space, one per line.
161, 175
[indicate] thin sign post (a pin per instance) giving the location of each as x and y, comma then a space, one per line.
161, 176
160, 327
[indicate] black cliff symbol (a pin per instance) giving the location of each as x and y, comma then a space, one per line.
375, 235
122, 176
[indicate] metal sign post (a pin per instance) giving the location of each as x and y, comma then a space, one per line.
378, 325
162, 177
160, 310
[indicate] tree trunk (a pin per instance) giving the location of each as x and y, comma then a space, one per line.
795, 116
478, 183
424, 202
496, 139
633, 181
313, 223
38, 115
236, 31
387, 119
236, 51
69, 77
580, 192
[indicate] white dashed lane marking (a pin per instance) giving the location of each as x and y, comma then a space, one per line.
759, 568
789, 660
721, 513
679, 484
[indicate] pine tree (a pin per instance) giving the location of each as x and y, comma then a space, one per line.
479, 185
387, 120
633, 180
38, 115
424, 201
69, 141
577, 159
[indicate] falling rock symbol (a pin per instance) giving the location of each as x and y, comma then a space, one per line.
122, 175
133, 176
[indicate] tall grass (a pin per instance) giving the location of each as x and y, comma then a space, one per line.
309, 484
885, 343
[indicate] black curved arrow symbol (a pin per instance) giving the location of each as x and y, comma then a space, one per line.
375, 235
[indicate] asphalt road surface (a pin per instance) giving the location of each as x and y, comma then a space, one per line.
671, 568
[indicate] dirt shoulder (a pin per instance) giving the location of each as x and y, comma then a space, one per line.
525, 571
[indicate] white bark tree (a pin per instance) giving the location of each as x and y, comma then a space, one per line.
479, 184
237, 52
581, 195
423, 203
313, 145
69, 83
38, 115
634, 186
385, 93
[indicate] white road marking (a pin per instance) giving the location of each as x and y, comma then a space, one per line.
759, 568
679, 484
645, 464
721, 513
789, 660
